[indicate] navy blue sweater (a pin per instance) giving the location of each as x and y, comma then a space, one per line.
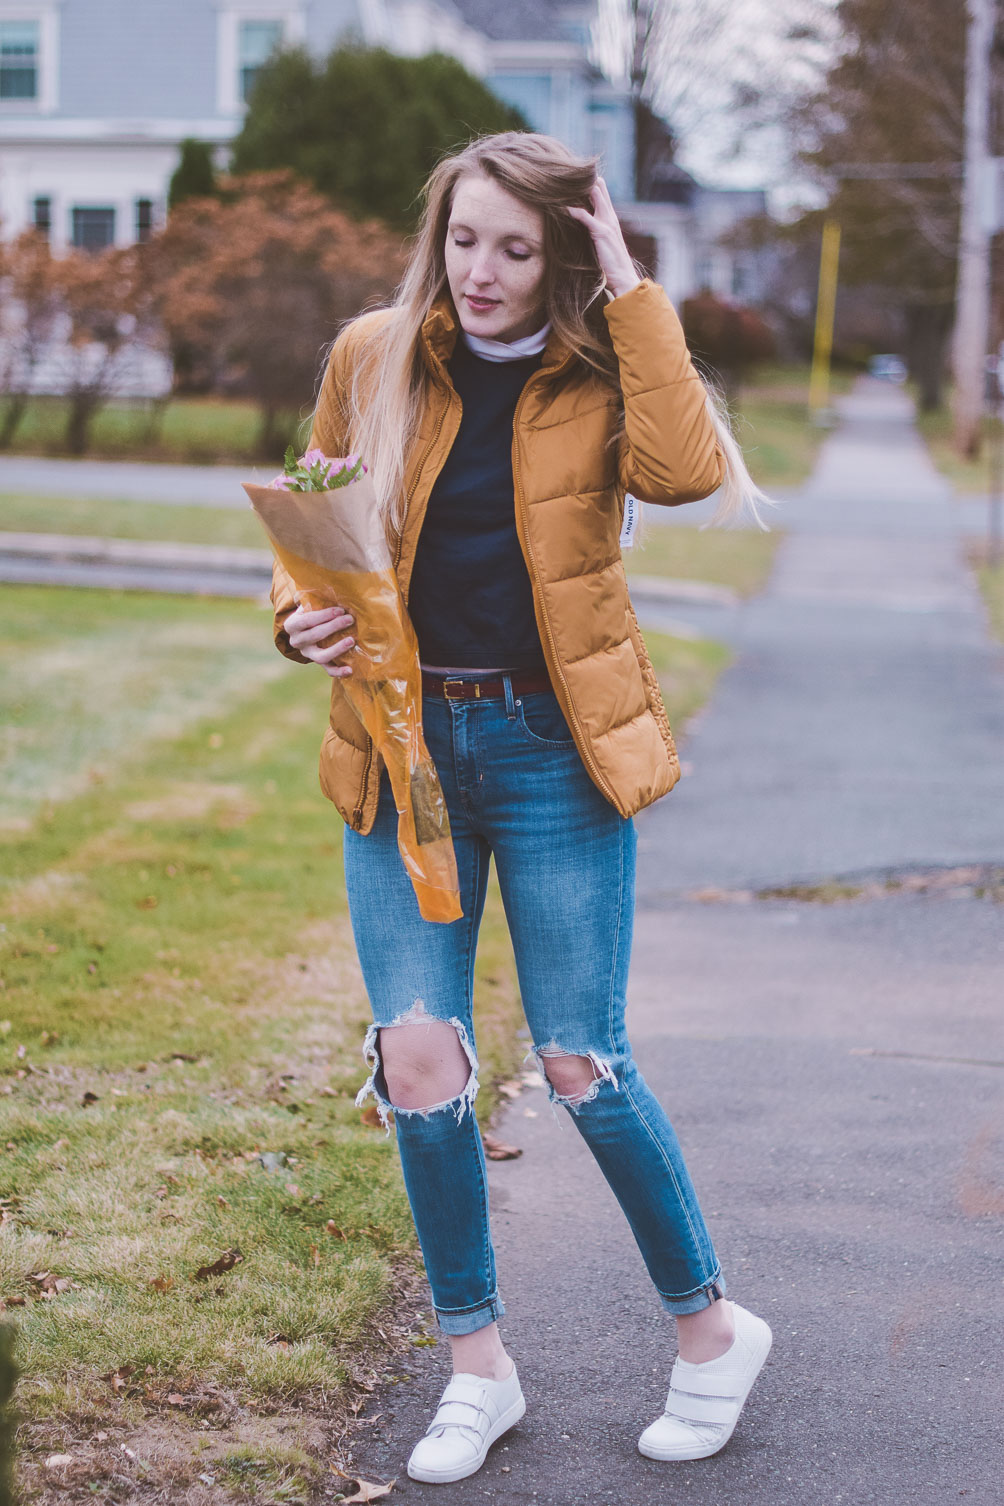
470, 598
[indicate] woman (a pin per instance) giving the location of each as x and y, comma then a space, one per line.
526, 382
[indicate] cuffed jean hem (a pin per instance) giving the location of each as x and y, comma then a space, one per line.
695, 1302
459, 1320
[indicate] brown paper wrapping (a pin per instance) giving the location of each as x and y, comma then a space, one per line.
334, 548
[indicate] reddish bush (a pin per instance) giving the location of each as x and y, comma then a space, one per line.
726, 337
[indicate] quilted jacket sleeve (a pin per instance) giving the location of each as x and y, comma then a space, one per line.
330, 434
670, 452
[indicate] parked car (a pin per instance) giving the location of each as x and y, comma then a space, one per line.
888, 368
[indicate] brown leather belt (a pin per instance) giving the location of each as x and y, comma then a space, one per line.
483, 688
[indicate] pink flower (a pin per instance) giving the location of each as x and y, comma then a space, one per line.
282, 484
313, 456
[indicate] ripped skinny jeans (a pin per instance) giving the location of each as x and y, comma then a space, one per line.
516, 788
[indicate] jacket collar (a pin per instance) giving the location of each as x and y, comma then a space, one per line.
442, 326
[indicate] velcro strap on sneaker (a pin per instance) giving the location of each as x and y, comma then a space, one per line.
691, 1378
456, 1411
707, 1410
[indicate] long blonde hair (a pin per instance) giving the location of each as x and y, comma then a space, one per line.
390, 380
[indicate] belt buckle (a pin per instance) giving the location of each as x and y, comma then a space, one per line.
453, 689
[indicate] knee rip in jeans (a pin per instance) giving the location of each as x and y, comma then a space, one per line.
600, 1071
376, 1085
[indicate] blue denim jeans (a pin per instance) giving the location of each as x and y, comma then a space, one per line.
516, 788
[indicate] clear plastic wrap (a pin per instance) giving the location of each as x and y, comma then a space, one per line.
333, 546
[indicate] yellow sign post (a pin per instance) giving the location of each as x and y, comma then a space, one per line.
826, 303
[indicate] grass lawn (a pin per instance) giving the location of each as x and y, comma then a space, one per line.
770, 420
740, 558
195, 430
991, 583
965, 475
687, 670
117, 519
204, 1245
180, 1026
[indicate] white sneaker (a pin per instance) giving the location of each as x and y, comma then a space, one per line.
704, 1401
472, 1414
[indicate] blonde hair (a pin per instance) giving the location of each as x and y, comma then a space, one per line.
390, 379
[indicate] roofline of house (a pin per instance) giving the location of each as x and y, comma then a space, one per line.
73, 131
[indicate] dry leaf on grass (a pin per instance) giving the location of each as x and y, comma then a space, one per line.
226, 1262
366, 1490
498, 1150
511, 1089
117, 1378
332, 1228
161, 1283
370, 1115
175, 1399
88, 1099
56, 1461
49, 1284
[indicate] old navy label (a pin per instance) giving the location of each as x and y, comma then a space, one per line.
632, 512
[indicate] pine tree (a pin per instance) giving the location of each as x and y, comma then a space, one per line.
195, 176
366, 126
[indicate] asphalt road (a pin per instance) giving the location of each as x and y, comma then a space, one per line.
835, 1072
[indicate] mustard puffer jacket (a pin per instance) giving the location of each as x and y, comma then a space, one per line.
570, 484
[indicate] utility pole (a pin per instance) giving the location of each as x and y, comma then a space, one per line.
826, 304
972, 301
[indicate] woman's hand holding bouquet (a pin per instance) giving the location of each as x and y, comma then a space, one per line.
322, 519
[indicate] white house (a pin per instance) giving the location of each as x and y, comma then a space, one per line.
96, 95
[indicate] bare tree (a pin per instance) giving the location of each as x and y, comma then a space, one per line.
28, 314
718, 71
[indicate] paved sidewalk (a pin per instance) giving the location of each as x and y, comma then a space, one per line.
133, 481
836, 1073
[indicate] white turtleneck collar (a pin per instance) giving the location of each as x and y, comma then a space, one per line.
514, 350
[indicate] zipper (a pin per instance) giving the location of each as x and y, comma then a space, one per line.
554, 664
398, 551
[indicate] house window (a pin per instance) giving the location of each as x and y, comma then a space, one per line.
144, 219
41, 216
93, 229
256, 41
19, 60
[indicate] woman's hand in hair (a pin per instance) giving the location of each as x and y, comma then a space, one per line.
306, 632
608, 239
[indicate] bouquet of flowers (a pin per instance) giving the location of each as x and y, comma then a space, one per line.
324, 525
